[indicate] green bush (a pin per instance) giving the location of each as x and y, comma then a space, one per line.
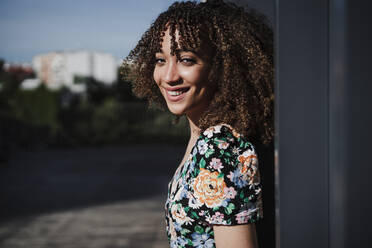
37, 107
107, 124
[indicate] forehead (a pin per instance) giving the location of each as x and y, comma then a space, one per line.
177, 39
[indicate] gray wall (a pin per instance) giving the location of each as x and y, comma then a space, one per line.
302, 123
350, 122
324, 122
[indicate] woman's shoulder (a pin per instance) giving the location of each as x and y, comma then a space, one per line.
220, 146
224, 178
224, 135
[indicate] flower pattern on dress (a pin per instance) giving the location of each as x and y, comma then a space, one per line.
218, 184
209, 188
179, 214
216, 164
202, 240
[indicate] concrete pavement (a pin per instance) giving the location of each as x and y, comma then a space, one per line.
89, 197
132, 224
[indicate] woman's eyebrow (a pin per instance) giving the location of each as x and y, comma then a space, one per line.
197, 53
185, 51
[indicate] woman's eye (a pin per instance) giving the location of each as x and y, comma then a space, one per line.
159, 61
188, 61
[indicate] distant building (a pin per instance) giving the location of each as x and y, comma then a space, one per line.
57, 69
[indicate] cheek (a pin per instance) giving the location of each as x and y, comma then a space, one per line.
194, 77
156, 76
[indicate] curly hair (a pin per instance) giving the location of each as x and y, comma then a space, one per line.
242, 62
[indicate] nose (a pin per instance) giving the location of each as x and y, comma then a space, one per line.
171, 75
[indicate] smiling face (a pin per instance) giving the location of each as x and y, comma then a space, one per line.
183, 80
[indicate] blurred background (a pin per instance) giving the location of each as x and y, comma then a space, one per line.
60, 82
83, 163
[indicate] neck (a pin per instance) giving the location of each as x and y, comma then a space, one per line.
194, 129
193, 118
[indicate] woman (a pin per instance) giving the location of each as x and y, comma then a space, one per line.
211, 62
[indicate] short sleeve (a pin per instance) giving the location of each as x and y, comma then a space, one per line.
225, 186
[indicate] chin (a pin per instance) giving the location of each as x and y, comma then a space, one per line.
175, 110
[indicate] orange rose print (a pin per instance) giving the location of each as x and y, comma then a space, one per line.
209, 188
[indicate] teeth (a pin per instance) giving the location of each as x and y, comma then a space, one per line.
174, 93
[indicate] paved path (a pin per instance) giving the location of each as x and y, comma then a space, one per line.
137, 223
104, 198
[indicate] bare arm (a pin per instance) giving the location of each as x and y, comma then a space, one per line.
239, 236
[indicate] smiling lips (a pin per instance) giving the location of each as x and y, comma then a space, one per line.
176, 94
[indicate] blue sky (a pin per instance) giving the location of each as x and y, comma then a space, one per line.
30, 27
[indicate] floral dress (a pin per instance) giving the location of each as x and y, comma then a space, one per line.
218, 184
